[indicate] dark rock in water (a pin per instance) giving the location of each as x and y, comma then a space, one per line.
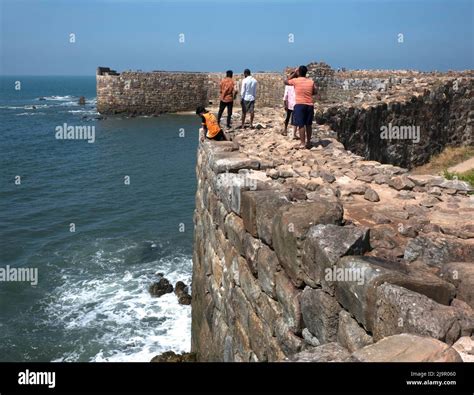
33, 107
170, 356
82, 100
180, 287
41, 98
181, 291
185, 299
160, 288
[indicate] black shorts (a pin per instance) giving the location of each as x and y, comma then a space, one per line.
248, 106
303, 115
218, 137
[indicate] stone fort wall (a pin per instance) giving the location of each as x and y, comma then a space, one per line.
153, 93
318, 255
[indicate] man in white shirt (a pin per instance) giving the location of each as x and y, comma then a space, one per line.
248, 93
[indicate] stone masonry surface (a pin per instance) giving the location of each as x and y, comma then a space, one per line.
321, 255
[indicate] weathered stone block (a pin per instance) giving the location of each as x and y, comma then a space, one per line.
371, 195
325, 244
251, 248
258, 209
227, 187
310, 338
457, 185
290, 226
289, 297
401, 183
287, 340
219, 332
429, 284
210, 147
234, 231
259, 335
320, 313
230, 253
461, 275
330, 352
215, 291
465, 347
269, 310
241, 343
350, 335
357, 278
222, 214
228, 349
274, 351
407, 348
221, 162
248, 283
402, 311
267, 266
436, 250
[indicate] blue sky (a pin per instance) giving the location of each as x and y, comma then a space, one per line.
144, 34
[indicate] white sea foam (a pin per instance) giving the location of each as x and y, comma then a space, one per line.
26, 107
36, 106
58, 98
12, 107
129, 323
30, 113
92, 112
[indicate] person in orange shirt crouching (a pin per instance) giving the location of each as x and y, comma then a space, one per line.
210, 126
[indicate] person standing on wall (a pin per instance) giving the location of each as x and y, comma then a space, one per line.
248, 93
227, 96
303, 112
289, 99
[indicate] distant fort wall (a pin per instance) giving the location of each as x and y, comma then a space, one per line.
157, 92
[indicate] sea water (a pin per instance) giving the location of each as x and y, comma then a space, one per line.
97, 221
